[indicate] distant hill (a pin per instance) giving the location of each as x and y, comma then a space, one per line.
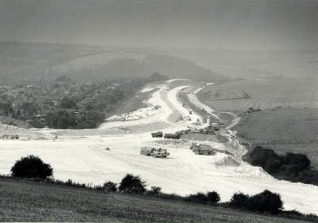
260, 64
136, 65
23, 62
20, 60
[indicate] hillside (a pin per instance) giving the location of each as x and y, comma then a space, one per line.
22, 62
138, 65
263, 64
283, 130
28, 201
28, 61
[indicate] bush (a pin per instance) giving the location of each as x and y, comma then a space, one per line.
299, 161
132, 184
31, 167
293, 166
266, 202
197, 198
213, 197
239, 200
155, 190
266, 158
262, 202
110, 187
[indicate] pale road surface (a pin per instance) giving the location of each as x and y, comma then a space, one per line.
83, 158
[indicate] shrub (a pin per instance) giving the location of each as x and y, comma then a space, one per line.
266, 202
31, 167
299, 161
197, 198
266, 158
132, 184
155, 190
110, 187
262, 202
239, 200
213, 197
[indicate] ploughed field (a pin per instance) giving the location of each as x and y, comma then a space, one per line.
45, 202
283, 130
238, 96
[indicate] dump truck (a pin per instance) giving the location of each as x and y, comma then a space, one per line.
202, 149
172, 136
157, 134
154, 152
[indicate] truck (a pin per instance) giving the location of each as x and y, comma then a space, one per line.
157, 134
202, 149
172, 136
154, 152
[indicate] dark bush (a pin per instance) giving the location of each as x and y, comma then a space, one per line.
266, 158
213, 197
132, 184
197, 198
293, 166
266, 202
239, 200
262, 202
110, 187
299, 161
155, 190
31, 167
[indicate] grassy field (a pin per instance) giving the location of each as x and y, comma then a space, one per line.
29, 201
240, 95
284, 130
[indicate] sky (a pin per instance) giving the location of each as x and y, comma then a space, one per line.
213, 24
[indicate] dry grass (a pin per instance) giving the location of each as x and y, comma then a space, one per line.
29, 201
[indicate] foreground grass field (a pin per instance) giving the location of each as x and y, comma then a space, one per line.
283, 130
238, 96
30, 201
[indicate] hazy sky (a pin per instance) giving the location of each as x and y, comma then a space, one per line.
273, 24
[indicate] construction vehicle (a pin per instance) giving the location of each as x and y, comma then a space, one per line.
202, 149
154, 152
172, 136
157, 134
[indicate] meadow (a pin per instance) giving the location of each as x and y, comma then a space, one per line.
283, 130
31, 201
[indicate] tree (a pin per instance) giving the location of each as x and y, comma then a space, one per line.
299, 161
262, 202
239, 200
31, 167
68, 103
155, 190
266, 202
132, 184
110, 187
213, 197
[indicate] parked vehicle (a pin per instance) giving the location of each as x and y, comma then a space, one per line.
157, 134
202, 149
172, 136
154, 152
